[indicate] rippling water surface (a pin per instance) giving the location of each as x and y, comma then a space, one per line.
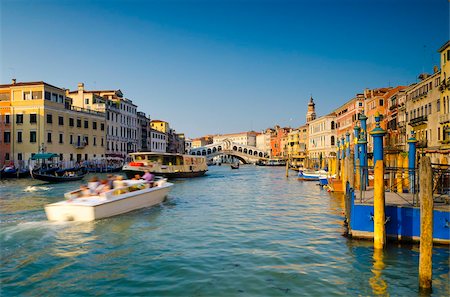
246, 232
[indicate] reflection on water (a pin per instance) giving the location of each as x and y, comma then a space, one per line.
378, 284
246, 232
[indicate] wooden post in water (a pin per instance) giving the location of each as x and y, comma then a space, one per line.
379, 236
287, 168
357, 175
426, 223
351, 170
379, 216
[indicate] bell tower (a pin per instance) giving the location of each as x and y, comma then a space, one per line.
311, 114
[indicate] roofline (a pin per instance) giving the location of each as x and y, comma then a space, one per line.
33, 83
441, 49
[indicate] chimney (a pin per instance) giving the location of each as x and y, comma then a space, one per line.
13, 81
80, 87
435, 69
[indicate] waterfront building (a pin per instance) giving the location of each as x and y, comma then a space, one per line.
43, 118
400, 140
5, 127
375, 103
263, 141
347, 117
187, 145
244, 138
144, 137
297, 140
121, 118
444, 116
158, 141
423, 108
161, 126
202, 141
322, 140
277, 144
175, 142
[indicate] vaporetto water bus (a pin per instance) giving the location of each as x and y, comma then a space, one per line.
165, 164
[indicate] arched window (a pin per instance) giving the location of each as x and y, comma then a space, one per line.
332, 125
260, 155
245, 151
250, 152
204, 153
234, 148
214, 149
219, 148
332, 140
209, 151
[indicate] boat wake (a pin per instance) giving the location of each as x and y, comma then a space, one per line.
36, 188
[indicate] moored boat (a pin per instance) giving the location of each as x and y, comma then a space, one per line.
135, 195
50, 172
235, 166
165, 164
13, 172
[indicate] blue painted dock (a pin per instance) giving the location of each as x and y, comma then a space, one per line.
402, 217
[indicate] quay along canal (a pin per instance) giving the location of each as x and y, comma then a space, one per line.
246, 232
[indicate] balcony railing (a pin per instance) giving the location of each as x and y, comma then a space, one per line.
418, 121
444, 118
422, 144
79, 145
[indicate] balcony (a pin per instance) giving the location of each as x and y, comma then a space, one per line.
79, 145
418, 121
422, 144
444, 118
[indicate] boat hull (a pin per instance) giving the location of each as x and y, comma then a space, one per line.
84, 210
131, 173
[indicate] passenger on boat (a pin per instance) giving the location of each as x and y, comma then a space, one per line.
93, 184
84, 190
148, 177
119, 182
103, 187
136, 177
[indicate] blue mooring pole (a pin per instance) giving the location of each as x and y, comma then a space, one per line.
377, 134
347, 143
412, 161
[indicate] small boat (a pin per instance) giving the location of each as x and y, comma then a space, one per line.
235, 166
48, 171
14, 172
165, 164
271, 162
135, 195
323, 180
311, 175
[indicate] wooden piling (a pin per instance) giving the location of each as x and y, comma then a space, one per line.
351, 170
426, 223
287, 168
357, 175
343, 173
379, 238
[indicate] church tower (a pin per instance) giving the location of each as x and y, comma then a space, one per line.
311, 114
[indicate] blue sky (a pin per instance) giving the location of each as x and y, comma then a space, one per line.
217, 66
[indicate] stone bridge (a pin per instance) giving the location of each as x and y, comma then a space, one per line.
247, 154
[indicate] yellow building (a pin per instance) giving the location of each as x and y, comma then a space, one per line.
160, 126
43, 119
297, 140
444, 88
422, 114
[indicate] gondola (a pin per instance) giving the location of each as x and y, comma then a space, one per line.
59, 175
13, 172
49, 172
233, 166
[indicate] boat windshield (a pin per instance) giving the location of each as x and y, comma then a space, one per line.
161, 159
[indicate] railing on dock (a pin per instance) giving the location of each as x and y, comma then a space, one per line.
404, 183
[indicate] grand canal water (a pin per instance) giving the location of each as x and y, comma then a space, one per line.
246, 232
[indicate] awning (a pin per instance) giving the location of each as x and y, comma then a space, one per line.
41, 156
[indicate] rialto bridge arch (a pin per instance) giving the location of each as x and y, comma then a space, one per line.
247, 154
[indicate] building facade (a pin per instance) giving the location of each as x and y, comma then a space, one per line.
444, 116
121, 118
158, 141
143, 134
244, 138
43, 118
322, 141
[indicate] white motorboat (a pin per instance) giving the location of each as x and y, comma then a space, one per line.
135, 195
